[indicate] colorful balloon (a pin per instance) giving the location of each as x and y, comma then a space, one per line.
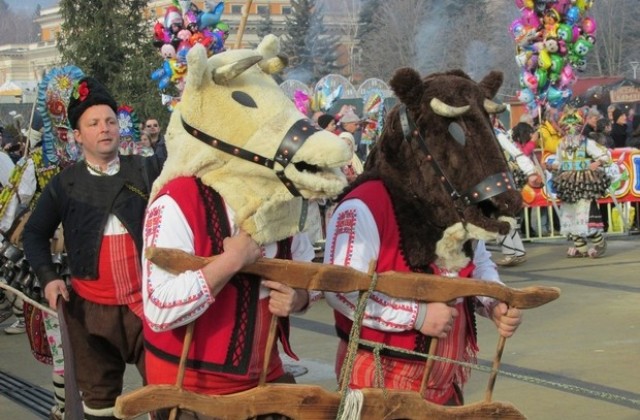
589, 25
544, 59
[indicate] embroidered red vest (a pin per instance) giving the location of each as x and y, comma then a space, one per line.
224, 334
375, 195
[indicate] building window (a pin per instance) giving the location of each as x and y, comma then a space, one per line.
286, 10
236, 9
263, 10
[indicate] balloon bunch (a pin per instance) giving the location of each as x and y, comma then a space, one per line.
183, 26
552, 40
322, 98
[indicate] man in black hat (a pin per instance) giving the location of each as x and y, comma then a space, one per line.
100, 202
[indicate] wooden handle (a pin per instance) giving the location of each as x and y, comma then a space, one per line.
333, 278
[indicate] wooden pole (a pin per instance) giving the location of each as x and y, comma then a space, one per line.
494, 369
243, 23
188, 337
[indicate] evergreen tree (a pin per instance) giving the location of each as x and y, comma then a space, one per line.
313, 51
110, 40
366, 19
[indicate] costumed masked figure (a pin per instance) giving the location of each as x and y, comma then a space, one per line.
580, 179
217, 195
400, 214
51, 148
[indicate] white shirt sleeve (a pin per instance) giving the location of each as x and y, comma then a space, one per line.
170, 300
353, 241
485, 269
524, 163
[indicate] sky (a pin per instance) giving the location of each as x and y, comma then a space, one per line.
29, 5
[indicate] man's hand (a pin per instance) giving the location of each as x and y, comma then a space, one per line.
439, 320
54, 289
535, 181
242, 249
506, 319
284, 300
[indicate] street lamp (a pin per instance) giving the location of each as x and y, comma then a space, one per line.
634, 66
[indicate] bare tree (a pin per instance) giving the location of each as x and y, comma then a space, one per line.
348, 24
16, 27
616, 37
392, 44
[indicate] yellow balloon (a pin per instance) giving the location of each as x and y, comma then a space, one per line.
544, 59
528, 4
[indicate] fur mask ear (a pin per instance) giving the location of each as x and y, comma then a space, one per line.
197, 63
407, 85
490, 84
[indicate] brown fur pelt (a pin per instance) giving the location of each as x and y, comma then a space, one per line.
423, 207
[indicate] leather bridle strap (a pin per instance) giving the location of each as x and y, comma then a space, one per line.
489, 187
295, 137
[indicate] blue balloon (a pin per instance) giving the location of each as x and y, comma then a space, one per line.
572, 16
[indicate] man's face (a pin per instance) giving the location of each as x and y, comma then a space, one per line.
351, 127
99, 134
592, 120
152, 127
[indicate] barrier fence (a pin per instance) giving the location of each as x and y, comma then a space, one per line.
619, 208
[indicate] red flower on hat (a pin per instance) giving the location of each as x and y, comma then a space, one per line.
81, 91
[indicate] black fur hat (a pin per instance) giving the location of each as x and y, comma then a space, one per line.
87, 93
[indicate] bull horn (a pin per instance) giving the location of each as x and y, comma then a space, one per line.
274, 65
227, 73
494, 107
445, 110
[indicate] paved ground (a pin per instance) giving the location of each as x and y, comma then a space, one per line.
575, 358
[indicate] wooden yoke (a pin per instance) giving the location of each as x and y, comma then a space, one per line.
303, 402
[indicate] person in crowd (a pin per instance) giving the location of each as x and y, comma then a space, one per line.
619, 128
593, 115
144, 145
524, 172
153, 129
632, 122
100, 203
350, 124
550, 132
610, 109
328, 122
602, 133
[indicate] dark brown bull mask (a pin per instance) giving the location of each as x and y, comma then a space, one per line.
442, 164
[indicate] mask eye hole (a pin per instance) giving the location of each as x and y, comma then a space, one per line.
457, 132
244, 99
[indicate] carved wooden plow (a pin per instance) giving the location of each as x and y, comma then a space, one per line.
307, 402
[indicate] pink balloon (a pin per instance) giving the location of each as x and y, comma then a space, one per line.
519, 4
516, 28
561, 6
589, 25
576, 33
530, 18
567, 77
530, 80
